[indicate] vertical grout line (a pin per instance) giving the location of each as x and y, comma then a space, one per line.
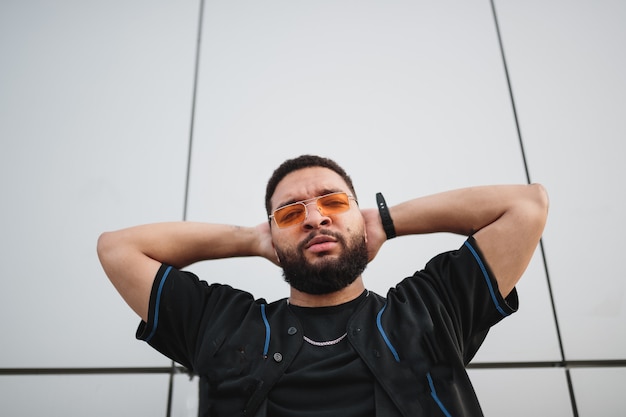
193, 108
570, 386
508, 82
170, 390
188, 173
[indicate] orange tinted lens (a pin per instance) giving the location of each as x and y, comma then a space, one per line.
334, 203
290, 215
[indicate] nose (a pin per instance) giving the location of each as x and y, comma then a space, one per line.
315, 218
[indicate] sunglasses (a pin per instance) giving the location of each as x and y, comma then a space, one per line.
296, 213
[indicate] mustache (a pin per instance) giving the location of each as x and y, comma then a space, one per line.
323, 232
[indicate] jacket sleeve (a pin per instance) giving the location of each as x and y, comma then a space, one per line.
183, 309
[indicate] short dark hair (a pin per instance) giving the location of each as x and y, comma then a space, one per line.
301, 162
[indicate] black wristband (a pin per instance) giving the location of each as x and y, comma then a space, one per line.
388, 226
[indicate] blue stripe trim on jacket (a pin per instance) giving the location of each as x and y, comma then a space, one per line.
384, 335
487, 279
266, 346
155, 322
433, 393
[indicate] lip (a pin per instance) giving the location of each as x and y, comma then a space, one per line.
320, 240
321, 244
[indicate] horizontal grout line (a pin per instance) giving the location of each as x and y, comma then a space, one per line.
183, 370
601, 363
90, 371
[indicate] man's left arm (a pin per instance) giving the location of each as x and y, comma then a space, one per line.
506, 221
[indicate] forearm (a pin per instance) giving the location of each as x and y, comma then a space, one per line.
463, 211
182, 243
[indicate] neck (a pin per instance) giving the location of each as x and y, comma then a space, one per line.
344, 295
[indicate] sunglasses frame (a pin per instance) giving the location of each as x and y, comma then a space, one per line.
308, 202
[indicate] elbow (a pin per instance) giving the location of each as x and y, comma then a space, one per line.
541, 198
539, 204
105, 248
103, 244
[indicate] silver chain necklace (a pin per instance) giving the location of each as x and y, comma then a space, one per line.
326, 343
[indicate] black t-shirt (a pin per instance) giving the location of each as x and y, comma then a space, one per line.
327, 378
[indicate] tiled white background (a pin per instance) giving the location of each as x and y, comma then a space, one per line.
96, 112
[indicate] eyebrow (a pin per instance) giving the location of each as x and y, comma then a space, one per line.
319, 193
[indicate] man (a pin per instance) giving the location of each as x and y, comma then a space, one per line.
332, 348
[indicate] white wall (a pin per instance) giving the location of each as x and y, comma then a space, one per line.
411, 97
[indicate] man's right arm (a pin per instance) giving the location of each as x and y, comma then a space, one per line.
131, 257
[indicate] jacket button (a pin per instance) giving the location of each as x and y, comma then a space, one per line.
278, 357
292, 330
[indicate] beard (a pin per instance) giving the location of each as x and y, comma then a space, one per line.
327, 275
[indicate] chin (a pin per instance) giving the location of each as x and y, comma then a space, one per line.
315, 258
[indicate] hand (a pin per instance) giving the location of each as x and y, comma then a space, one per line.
375, 233
265, 245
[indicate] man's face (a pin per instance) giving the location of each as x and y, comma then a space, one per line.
324, 253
